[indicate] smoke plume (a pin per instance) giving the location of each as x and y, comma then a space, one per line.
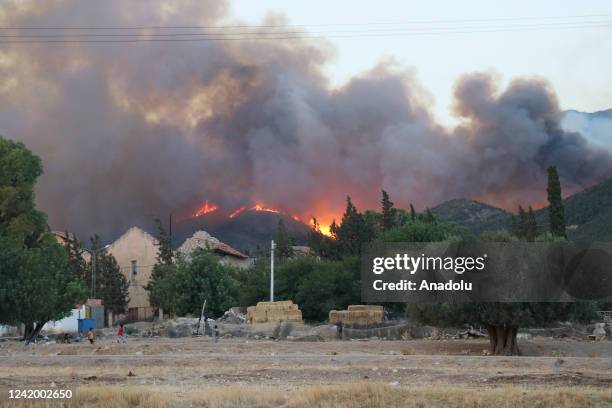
132, 131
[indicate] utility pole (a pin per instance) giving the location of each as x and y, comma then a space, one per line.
170, 230
94, 255
272, 246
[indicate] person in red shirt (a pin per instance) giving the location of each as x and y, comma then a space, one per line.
121, 334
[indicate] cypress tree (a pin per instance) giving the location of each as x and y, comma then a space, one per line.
519, 227
531, 230
429, 217
556, 213
165, 255
111, 285
283, 241
388, 212
412, 213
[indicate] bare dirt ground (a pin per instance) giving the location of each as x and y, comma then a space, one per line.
180, 367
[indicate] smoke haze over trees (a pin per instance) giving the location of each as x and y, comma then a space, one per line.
128, 132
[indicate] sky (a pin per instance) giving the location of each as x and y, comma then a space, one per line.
131, 123
575, 61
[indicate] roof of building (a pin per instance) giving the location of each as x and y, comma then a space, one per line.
203, 240
63, 235
301, 249
228, 250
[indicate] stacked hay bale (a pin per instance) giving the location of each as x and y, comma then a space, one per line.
265, 312
362, 315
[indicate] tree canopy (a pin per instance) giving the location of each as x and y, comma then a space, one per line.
38, 281
182, 288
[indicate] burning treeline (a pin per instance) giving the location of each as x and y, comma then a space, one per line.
207, 208
132, 131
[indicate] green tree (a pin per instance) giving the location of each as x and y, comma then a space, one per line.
419, 231
111, 285
429, 217
329, 285
388, 212
200, 278
353, 232
556, 212
192, 280
531, 231
502, 320
519, 223
161, 285
75, 256
413, 216
316, 240
162, 289
38, 282
254, 282
283, 242
165, 254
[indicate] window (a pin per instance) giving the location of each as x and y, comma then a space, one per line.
134, 267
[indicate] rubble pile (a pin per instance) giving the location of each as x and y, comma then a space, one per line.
180, 327
199, 240
234, 316
357, 315
265, 312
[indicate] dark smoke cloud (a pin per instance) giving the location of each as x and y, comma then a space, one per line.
128, 132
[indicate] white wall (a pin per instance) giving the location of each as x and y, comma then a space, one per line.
67, 324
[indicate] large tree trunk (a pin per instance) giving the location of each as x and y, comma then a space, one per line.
28, 328
31, 332
502, 340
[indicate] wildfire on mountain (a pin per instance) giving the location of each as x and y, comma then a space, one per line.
237, 212
259, 207
206, 208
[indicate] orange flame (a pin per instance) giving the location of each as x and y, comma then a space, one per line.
205, 209
259, 207
322, 228
238, 211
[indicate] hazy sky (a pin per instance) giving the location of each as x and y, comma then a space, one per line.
131, 131
574, 60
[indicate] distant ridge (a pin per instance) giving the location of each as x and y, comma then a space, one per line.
473, 215
588, 214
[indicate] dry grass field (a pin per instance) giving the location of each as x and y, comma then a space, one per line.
260, 373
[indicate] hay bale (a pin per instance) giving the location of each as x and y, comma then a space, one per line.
355, 308
357, 314
264, 312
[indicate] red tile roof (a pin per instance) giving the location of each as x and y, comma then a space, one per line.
226, 249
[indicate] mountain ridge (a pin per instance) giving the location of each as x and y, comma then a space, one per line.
588, 214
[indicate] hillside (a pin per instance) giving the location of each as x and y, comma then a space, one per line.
472, 215
588, 214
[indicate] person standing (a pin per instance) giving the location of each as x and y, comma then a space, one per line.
216, 333
121, 334
91, 336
